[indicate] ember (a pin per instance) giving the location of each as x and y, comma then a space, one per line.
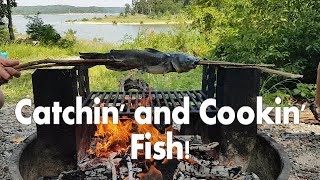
110, 150
159, 147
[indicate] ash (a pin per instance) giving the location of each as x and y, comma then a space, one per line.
301, 142
12, 133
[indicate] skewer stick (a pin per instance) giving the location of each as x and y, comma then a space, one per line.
57, 63
224, 63
48, 63
280, 73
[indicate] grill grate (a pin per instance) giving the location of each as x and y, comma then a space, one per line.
132, 100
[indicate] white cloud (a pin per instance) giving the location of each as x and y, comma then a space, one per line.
82, 3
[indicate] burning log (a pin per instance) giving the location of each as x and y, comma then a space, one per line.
137, 84
193, 139
88, 163
152, 174
201, 162
96, 173
130, 170
203, 147
186, 170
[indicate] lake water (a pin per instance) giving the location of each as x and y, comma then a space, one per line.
107, 32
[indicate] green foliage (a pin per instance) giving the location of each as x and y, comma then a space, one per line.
305, 91
38, 31
127, 9
4, 8
4, 34
280, 32
273, 87
269, 98
69, 39
158, 7
180, 40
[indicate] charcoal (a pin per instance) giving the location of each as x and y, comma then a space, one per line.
92, 174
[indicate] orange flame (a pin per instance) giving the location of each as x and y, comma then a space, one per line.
116, 137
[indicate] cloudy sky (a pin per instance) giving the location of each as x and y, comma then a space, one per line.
84, 3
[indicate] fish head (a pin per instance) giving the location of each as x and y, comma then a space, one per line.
184, 62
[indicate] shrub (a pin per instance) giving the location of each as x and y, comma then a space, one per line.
69, 39
4, 34
38, 31
305, 91
280, 32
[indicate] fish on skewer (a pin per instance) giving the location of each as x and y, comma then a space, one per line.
149, 60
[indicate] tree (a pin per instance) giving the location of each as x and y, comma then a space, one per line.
127, 9
5, 11
10, 3
158, 7
280, 32
38, 31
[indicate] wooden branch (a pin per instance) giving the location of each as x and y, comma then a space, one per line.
204, 147
48, 63
186, 170
224, 63
280, 73
193, 139
56, 63
129, 165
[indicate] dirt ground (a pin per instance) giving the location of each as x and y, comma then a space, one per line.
301, 142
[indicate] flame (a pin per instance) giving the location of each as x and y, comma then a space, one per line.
141, 101
111, 137
116, 137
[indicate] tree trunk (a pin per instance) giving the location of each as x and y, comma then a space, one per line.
317, 99
10, 24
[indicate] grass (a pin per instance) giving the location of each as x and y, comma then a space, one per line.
101, 79
21, 88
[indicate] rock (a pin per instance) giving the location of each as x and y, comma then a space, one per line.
7, 154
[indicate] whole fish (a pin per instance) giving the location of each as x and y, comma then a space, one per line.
149, 60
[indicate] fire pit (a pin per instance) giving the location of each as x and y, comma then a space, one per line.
58, 150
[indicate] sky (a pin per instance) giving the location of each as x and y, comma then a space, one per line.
81, 3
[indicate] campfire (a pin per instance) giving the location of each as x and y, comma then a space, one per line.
102, 151
108, 155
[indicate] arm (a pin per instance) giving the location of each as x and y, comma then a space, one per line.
6, 73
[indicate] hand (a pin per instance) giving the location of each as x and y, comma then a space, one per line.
7, 70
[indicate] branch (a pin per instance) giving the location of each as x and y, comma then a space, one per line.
48, 63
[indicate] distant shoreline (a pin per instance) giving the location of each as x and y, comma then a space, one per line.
126, 23
110, 14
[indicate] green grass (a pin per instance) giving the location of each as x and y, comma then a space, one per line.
101, 79
21, 88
